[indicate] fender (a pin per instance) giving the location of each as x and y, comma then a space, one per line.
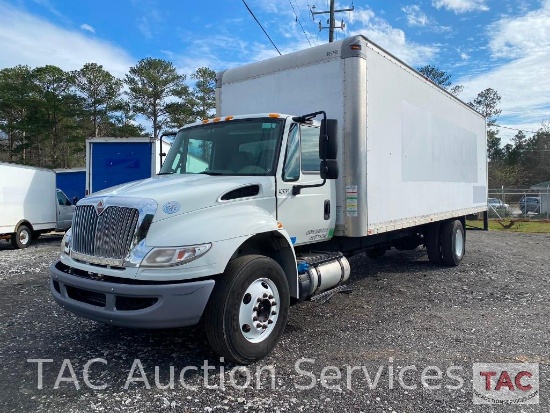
214, 224
227, 228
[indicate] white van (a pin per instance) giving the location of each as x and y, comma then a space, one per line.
30, 204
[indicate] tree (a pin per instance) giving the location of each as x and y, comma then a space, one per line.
535, 158
195, 104
122, 123
512, 153
494, 151
486, 103
204, 91
152, 83
55, 114
100, 90
16, 89
519, 139
181, 111
440, 78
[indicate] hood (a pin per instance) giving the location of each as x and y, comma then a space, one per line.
180, 194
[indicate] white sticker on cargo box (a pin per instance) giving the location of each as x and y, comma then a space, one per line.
351, 200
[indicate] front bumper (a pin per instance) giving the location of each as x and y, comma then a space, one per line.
138, 305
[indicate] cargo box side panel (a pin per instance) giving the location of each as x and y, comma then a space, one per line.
114, 163
426, 151
27, 194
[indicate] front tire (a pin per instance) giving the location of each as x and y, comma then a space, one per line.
248, 309
22, 237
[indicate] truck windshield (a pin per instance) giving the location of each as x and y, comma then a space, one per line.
235, 147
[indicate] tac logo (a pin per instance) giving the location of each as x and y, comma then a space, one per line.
506, 383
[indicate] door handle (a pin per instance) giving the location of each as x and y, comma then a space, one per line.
327, 209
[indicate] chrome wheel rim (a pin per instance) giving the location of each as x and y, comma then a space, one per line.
259, 310
24, 237
459, 243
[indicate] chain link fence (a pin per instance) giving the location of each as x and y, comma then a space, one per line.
531, 204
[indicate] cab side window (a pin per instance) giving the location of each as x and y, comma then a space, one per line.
310, 148
62, 199
291, 170
302, 152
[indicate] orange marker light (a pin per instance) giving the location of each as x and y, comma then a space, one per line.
279, 225
274, 115
217, 119
228, 117
205, 121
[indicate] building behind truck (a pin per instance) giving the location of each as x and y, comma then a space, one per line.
314, 156
30, 204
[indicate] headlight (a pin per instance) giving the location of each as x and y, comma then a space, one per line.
66, 242
168, 257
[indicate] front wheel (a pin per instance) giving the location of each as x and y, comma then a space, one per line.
248, 309
22, 237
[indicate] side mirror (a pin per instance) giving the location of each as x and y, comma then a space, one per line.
328, 139
329, 169
75, 200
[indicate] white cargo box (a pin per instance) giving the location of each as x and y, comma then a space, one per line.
27, 194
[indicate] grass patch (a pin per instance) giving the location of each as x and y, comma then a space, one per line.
513, 225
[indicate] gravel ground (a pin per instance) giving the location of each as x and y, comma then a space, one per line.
402, 311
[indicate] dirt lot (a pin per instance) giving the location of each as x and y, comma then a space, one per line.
404, 340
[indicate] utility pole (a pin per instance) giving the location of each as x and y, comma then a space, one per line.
331, 20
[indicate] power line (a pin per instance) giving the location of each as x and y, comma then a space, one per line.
508, 127
313, 22
250, 11
301, 18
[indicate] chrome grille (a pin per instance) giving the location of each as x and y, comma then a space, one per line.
108, 235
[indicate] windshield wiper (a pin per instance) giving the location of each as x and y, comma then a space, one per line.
210, 173
165, 173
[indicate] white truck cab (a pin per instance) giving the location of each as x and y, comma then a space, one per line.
224, 195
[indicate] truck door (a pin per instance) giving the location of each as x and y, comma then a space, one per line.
64, 211
309, 216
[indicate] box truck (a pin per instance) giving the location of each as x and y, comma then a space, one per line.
313, 156
114, 161
72, 182
30, 204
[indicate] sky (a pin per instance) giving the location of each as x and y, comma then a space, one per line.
498, 44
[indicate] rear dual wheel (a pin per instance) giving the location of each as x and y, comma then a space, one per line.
453, 242
248, 309
433, 244
445, 243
